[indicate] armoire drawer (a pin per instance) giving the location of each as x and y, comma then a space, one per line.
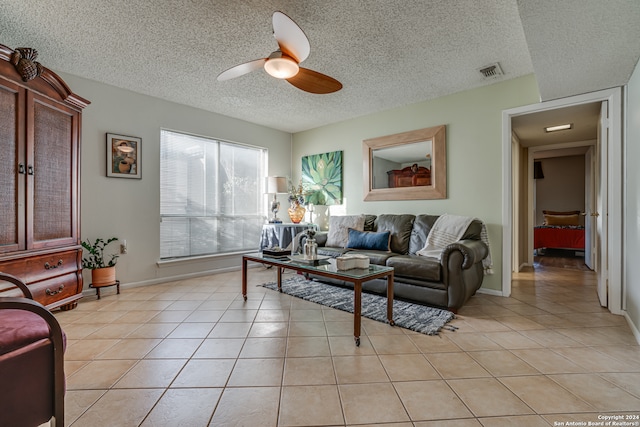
50, 291
40, 267
44, 266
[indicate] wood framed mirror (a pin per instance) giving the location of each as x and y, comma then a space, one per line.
406, 166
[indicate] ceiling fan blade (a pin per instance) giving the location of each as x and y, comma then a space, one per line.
241, 69
314, 82
290, 37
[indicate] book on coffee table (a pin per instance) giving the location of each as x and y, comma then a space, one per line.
276, 253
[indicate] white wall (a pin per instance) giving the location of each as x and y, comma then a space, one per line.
130, 209
474, 151
631, 225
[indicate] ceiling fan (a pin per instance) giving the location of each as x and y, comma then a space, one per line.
284, 62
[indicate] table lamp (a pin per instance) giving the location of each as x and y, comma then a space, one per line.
276, 185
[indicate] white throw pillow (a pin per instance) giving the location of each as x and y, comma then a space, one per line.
339, 226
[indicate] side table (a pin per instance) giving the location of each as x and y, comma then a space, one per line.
97, 288
283, 234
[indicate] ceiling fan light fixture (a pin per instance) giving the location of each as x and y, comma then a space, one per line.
281, 66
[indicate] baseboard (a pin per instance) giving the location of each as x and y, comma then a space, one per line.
524, 265
634, 329
490, 292
91, 291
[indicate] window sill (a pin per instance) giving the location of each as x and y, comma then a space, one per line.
199, 259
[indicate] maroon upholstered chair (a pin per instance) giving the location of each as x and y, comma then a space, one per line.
32, 383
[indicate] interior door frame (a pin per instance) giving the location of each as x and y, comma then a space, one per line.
614, 188
602, 217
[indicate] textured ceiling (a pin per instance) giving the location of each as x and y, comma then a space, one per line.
386, 53
584, 118
580, 46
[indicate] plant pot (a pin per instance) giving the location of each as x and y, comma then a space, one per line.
124, 166
103, 276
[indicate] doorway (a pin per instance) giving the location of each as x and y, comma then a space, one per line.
562, 194
517, 197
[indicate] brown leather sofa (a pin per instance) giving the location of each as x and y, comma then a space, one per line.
447, 283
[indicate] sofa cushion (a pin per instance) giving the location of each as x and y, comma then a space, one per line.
339, 229
400, 227
421, 227
416, 267
375, 257
370, 222
331, 252
19, 328
474, 231
371, 240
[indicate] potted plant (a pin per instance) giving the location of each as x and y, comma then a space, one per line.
103, 271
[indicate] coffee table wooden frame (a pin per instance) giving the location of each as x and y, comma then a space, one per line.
353, 276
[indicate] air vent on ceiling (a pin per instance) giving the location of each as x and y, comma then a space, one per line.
491, 71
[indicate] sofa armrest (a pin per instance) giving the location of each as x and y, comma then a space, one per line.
320, 236
462, 271
473, 251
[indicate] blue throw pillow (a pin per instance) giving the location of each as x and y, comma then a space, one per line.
369, 240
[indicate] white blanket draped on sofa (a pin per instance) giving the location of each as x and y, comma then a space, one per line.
449, 229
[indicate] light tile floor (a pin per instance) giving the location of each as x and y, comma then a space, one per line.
192, 353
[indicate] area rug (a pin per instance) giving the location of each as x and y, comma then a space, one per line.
419, 318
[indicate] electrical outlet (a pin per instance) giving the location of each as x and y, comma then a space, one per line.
123, 246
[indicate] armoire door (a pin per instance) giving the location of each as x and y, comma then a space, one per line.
13, 170
52, 169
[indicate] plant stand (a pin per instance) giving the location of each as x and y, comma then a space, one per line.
98, 287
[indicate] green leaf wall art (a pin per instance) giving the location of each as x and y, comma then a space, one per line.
322, 178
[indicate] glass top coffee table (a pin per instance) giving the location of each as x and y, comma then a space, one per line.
357, 276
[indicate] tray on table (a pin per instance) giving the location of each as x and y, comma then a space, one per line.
320, 260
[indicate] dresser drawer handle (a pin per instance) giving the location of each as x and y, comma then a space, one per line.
50, 292
48, 266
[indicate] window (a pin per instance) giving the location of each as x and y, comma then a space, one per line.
210, 195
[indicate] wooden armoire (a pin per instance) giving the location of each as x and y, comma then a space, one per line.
411, 176
40, 179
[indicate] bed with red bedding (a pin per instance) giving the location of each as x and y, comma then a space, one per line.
560, 230
558, 237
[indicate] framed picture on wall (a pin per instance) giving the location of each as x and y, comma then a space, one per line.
322, 178
123, 156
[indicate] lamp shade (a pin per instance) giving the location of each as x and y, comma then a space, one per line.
281, 66
276, 184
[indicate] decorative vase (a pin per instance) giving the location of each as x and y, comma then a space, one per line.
311, 249
296, 212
